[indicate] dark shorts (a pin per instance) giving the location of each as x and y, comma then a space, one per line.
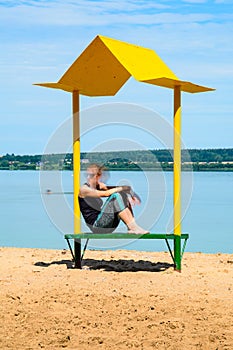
108, 218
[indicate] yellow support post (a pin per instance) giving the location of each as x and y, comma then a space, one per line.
177, 177
76, 176
76, 161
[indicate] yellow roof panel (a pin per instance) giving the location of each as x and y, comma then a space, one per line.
106, 64
141, 63
96, 72
56, 86
185, 86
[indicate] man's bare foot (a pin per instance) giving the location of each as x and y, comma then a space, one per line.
133, 227
138, 232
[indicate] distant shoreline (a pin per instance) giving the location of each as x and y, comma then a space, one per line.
133, 170
141, 160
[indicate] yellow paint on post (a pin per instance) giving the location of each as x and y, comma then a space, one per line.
177, 161
76, 161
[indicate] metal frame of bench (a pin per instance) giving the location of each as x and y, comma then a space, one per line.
77, 255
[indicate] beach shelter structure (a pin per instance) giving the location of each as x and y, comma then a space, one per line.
101, 70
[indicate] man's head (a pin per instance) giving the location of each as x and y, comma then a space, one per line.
94, 172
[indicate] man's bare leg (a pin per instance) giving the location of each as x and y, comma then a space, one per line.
127, 217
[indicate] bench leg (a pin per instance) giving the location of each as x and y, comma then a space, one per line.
77, 254
177, 253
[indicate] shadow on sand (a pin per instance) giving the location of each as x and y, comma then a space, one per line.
121, 265
69, 263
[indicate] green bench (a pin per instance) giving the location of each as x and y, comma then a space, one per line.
78, 255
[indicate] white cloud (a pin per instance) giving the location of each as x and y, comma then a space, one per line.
224, 2
96, 14
195, 1
125, 5
88, 6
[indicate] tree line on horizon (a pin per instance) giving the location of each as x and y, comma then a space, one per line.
192, 159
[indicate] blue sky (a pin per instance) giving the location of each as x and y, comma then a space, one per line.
40, 39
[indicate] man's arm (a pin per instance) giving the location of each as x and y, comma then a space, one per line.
86, 191
130, 191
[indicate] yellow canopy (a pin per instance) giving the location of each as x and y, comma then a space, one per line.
106, 64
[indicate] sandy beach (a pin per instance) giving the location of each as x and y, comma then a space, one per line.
119, 300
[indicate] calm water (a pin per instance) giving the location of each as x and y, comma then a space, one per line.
31, 220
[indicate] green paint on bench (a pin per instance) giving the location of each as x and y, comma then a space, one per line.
124, 236
77, 256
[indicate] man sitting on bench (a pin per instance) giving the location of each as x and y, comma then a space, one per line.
104, 218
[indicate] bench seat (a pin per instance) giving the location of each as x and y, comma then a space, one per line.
117, 235
76, 252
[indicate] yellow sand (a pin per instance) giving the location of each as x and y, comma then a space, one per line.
129, 300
